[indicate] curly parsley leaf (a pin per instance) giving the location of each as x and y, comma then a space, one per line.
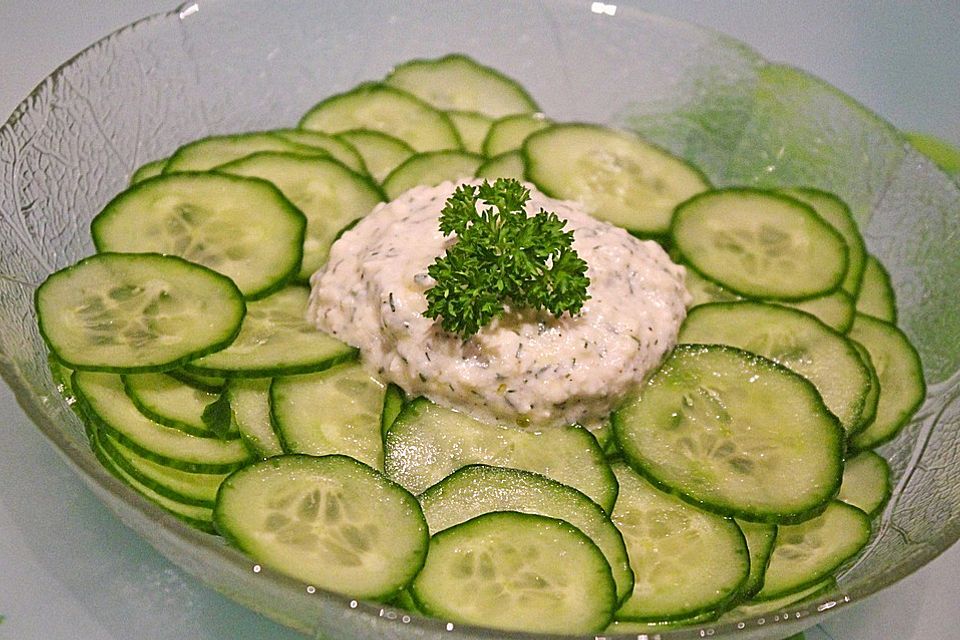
502, 256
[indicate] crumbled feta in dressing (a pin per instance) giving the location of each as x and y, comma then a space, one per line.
525, 367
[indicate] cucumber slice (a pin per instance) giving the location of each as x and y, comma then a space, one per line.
734, 433
902, 387
517, 571
794, 339
210, 384
602, 431
61, 376
339, 150
250, 402
834, 309
145, 312
477, 489
243, 228
872, 401
506, 165
394, 400
384, 108
381, 153
760, 244
199, 517
149, 170
509, 132
207, 153
429, 170
186, 487
806, 553
275, 339
652, 629
460, 83
105, 403
837, 214
404, 600
876, 297
328, 193
331, 522
617, 176
335, 411
760, 540
866, 483
427, 443
784, 605
704, 291
173, 404
472, 128
686, 561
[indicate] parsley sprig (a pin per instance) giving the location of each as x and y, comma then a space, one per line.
502, 256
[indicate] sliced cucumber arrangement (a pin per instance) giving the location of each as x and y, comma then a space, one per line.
472, 128
760, 540
734, 433
876, 297
429, 170
806, 553
197, 516
350, 422
509, 132
243, 228
866, 483
394, 399
149, 170
795, 340
834, 309
477, 489
104, 401
759, 244
617, 176
338, 148
328, 193
175, 404
902, 387
384, 108
836, 213
331, 521
500, 570
381, 153
250, 404
145, 312
205, 154
275, 339
505, 165
460, 83
428, 442
686, 561
186, 487
737, 480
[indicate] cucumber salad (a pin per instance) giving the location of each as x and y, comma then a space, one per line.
433, 349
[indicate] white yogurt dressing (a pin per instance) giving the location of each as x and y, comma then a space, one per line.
525, 367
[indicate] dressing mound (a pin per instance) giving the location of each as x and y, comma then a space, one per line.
525, 367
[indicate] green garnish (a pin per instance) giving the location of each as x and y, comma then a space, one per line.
218, 416
501, 257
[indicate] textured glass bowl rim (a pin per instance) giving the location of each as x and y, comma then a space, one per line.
84, 463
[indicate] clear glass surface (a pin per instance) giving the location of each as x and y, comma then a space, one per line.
218, 66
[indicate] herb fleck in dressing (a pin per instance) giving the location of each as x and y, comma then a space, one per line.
525, 367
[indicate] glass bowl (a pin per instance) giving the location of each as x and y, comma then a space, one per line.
219, 66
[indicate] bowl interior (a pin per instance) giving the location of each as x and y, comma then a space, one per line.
234, 66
